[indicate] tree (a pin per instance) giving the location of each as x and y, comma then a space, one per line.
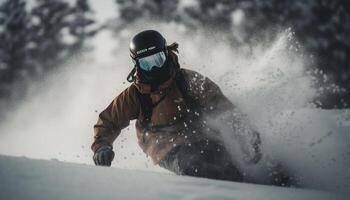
14, 43
80, 26
36, 42
132, 10
60, 31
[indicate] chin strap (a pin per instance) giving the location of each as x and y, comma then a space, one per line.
131, 77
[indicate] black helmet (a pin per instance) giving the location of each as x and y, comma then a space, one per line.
147, 43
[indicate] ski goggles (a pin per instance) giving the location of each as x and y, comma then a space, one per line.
155, 60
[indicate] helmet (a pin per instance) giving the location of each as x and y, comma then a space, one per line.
148, 50
147, 43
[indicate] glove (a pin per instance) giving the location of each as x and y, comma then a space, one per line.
104, 156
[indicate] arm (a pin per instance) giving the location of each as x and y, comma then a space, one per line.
214, 101
207, 94
219, 107
244, 133
114, 118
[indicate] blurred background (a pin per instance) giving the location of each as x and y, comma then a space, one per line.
38, 37
285, 64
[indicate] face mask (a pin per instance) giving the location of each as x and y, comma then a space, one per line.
157, 75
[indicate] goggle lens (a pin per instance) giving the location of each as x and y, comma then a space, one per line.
155, 60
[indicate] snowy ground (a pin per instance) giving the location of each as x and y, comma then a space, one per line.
28, 179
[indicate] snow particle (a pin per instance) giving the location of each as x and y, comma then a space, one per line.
179, 108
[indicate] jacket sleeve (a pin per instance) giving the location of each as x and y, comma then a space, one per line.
115, 117
214, 101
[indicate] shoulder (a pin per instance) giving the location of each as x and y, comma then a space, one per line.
192, 77
197, 80
128, 95
190, 73
132, 89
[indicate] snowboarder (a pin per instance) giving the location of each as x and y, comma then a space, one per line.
170, 105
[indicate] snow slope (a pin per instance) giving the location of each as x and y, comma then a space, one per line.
23, 178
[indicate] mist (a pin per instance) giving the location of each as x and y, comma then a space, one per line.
269, 82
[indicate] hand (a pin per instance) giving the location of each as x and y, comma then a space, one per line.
104, 156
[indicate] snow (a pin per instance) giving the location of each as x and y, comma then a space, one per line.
29, 179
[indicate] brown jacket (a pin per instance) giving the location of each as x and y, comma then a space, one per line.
176, 120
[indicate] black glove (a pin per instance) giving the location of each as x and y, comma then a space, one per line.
104, 156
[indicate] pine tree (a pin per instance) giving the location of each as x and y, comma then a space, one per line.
80, 27
60, 31
14, 43
132, 10
51, 20
35, 42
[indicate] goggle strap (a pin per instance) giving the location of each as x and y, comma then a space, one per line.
173, 47
131, 77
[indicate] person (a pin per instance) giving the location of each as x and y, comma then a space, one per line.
170, 105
